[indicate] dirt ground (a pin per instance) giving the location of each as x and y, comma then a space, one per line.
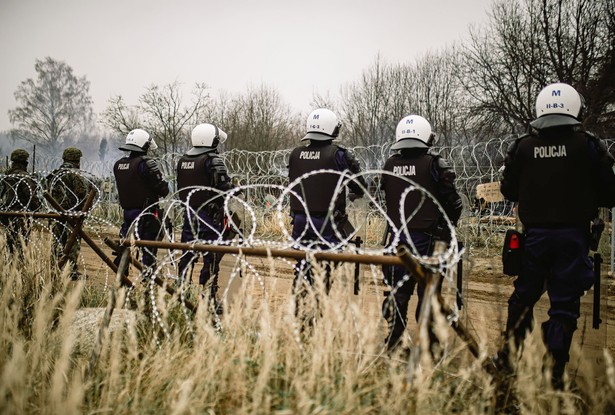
485, 294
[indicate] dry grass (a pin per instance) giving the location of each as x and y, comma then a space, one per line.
257, 362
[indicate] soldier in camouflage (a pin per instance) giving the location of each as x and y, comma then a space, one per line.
17, 194
69, 188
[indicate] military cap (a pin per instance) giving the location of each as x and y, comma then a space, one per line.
20, 155
72, 154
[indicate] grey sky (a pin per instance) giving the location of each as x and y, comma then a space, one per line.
299, 47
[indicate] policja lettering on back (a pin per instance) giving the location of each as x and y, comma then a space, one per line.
549, 151
310, 155
405, 170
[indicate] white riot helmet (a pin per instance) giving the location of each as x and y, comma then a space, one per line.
558, 105
413, 131
138, 140
322, 125
205, 138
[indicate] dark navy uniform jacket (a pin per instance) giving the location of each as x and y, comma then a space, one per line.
432, 173
318, 190
559, 177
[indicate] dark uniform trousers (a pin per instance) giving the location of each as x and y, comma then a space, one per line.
200, 226
149, 228
316, 236
555, 260
395, 305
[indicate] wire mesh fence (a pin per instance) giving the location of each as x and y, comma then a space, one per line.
258, 214
262, 177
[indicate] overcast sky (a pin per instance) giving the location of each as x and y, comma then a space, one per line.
297, 46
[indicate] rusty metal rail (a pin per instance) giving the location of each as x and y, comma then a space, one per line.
266, 252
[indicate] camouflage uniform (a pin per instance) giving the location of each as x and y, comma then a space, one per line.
69, 189
17, 194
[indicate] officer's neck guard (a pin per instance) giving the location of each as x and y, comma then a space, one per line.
316, 136
195, 151
409, 143
554, 120
131, 147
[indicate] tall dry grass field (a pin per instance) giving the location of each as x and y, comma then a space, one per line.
258, 358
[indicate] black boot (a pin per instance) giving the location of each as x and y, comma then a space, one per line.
216, 304
394, 311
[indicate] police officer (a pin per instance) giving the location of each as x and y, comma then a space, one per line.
140, 185
198, 172
559, 175
422, 221
318, 190
69, 188
17, 193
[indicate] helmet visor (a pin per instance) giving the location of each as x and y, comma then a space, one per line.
317, 136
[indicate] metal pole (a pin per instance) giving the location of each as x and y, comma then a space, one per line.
612, 240
265, 252
36, 215
596, 320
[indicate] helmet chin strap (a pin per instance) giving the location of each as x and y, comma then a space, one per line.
433, 138
216, 139
147, 144
336, 130
582, 109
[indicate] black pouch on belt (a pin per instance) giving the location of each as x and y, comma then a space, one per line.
512, 252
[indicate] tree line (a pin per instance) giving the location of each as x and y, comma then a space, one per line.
471, 91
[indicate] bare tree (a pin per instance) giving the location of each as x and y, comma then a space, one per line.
605, 123
168, 119
162, 112
120, 117
257, 120
531, 43
53, 107
324, 101
365, 104
438, 95
373, 106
